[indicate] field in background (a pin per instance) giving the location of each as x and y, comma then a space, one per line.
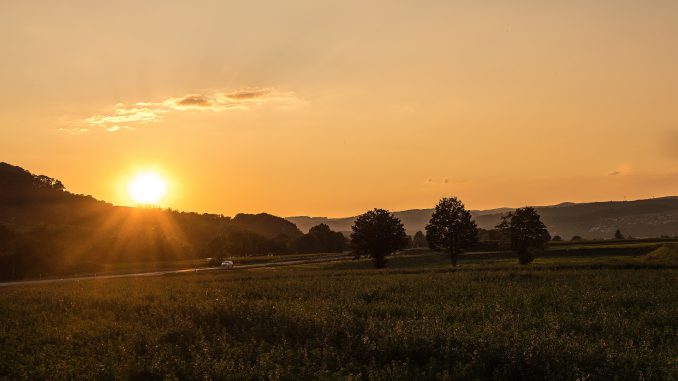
556, 249
586, 313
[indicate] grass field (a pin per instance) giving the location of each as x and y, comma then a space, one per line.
565, 317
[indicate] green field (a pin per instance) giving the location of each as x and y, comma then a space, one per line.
600, 314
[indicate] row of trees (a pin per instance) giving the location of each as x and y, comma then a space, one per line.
378, 233
617, 235
319, 239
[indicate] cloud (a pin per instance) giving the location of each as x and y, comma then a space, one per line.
74, 131
195, 100
153, 112
249, 94
115, 128
615, 173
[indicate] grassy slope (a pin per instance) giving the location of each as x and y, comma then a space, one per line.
665, 253
561, 318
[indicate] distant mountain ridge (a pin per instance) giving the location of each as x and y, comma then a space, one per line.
596, 220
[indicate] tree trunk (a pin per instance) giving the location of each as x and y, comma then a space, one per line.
380, 261
525, 256
453, 256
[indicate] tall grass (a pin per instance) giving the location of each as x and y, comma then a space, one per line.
328, 323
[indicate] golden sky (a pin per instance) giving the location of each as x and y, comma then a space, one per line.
334, 107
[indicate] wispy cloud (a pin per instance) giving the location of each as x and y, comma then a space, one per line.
115, 128
74, 130
125, 116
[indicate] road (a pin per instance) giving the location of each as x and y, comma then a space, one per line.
182, 271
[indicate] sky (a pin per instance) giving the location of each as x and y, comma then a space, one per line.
331, 108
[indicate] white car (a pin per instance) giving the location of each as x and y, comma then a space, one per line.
227, 264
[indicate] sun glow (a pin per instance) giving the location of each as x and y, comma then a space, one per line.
147, 188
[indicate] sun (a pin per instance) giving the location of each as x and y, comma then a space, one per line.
147, 188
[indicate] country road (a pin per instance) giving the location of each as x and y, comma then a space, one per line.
182, 271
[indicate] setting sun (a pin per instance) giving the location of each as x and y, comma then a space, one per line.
147, 188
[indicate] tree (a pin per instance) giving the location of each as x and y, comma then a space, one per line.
576, 238
556, 238
319, 239
328, 240
246, 243
419, 240
409, 242
618, 234
451, 228
377, 233
6, 238
525, 231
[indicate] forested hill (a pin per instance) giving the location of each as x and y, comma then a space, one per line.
42, 226
597, 220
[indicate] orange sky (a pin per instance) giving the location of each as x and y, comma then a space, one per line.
334, 107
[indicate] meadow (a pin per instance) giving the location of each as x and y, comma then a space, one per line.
564, 317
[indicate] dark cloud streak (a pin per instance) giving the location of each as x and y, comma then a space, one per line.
195, 100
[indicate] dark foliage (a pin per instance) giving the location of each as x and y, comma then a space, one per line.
451, 228
264, 224
319, 239
419, 240
377, 233
618, 234
242, 243
526, 232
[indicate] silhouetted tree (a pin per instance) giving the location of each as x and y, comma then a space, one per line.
246, 243
556, 238
451, 228
377, 233
489, 235
409, 242
319, 239
618, 234
419, 240
576, 238
6, 238
304, 244
526, 232
328, 241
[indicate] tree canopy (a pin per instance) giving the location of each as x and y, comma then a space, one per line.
419, 240
451, 228
319, 239
526, 232
618, 234
377, 233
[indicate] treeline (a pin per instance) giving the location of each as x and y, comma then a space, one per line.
44, 229
320, 239
379, 233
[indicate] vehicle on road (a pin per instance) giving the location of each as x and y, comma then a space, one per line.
227, 264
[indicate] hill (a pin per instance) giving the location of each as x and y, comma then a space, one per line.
44, 228
596, 220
